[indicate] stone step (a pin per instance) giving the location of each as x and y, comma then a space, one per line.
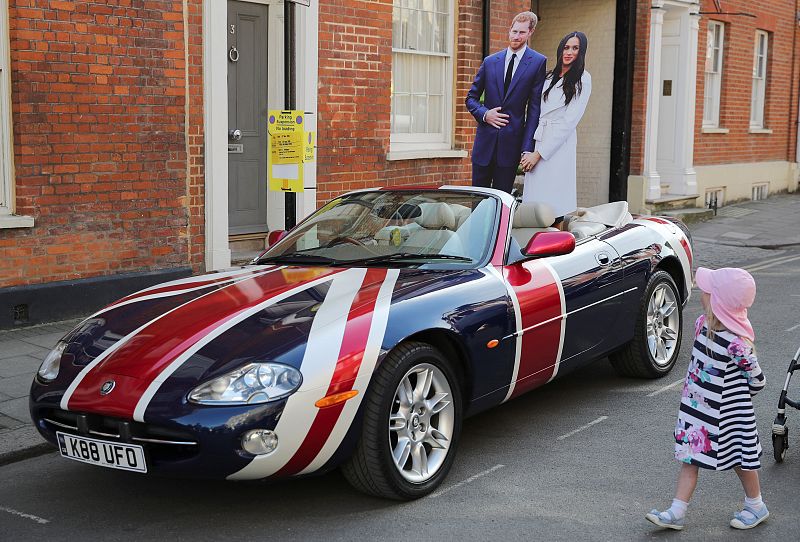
246, 247
672, 201
690, 215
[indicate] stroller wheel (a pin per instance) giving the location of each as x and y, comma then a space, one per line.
779, 445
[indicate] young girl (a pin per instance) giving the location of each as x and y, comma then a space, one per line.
716, 426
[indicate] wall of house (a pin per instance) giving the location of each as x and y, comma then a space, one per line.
769, 152
107, 139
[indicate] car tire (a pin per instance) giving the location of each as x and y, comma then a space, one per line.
395, 409
657, 337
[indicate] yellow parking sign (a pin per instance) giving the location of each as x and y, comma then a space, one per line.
286, 150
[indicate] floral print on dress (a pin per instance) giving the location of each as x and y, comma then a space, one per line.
694, 440
743, 356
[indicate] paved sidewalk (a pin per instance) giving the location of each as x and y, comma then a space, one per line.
744, 229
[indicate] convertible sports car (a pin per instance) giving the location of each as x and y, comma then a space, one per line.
363, 337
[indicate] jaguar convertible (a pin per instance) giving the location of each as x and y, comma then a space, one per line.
363, 337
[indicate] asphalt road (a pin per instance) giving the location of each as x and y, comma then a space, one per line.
583, 458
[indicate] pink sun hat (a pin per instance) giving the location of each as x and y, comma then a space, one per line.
732, 291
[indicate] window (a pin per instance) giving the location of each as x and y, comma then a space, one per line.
716, 35
421, 74
6, 149
759, 80
760, 191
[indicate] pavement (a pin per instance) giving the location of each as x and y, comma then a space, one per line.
739, 231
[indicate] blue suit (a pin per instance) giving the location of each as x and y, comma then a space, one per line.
497, 152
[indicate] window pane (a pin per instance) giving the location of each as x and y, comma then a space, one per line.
435, 114
420, 115
419, 77
402, 114
436, 75
440, 34
400, 73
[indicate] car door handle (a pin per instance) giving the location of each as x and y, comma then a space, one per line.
602, 258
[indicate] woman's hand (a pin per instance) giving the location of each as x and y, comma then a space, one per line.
529, 160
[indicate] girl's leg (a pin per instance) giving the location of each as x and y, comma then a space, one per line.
687, 481
750, 483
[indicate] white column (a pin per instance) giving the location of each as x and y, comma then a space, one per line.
687, 178
215, 129
652, 178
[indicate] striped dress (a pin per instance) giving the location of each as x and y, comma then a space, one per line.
716, 426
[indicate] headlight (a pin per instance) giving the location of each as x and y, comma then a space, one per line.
48, 370
252, 384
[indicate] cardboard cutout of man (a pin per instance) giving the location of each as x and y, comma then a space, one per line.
511, 83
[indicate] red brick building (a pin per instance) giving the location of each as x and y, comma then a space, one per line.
133, 144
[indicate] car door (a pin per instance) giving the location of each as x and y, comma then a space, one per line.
563, 306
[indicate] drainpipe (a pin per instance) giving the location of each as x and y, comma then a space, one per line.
487, 13
289, 74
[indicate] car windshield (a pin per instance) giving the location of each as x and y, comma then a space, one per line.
430, 229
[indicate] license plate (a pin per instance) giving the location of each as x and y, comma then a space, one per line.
113, 455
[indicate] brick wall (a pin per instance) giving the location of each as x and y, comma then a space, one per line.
639, 91
780, 110
354, 106
99, 110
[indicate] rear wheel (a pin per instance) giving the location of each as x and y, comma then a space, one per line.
411, 426
657, 337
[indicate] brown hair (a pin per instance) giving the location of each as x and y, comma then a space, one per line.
526, 17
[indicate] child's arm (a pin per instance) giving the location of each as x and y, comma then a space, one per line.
743, 356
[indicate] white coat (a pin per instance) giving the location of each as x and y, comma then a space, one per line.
553, 178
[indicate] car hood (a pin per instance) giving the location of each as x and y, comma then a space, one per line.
192, 330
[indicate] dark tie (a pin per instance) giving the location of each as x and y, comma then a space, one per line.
509, 71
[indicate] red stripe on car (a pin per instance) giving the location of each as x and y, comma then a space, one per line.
351, 353
540, 306
145, 356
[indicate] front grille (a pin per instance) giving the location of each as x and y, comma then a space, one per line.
161, 443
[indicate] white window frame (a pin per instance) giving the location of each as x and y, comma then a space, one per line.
759, 91
429, 143
713, 76
6, 129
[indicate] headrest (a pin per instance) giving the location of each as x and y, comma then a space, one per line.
613, 214
436, 215
404, 212
533, 214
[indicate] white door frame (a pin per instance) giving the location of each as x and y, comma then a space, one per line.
682, 178
215, 115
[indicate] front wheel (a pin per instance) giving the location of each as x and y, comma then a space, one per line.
657, 337
411, 426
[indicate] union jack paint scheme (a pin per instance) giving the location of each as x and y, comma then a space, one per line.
363, 337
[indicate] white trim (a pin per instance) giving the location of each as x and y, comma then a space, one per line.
759, 87
422, 154
650, 169
15, 221
715, 130
215, 120
760, 131
711, 118
7, 131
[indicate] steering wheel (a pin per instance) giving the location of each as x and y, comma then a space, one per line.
344, 239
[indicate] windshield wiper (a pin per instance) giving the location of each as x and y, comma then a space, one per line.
298, 257
406, 256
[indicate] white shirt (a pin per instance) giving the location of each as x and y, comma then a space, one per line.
519, 54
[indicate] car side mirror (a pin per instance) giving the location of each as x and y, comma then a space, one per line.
275, 236
549, 243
